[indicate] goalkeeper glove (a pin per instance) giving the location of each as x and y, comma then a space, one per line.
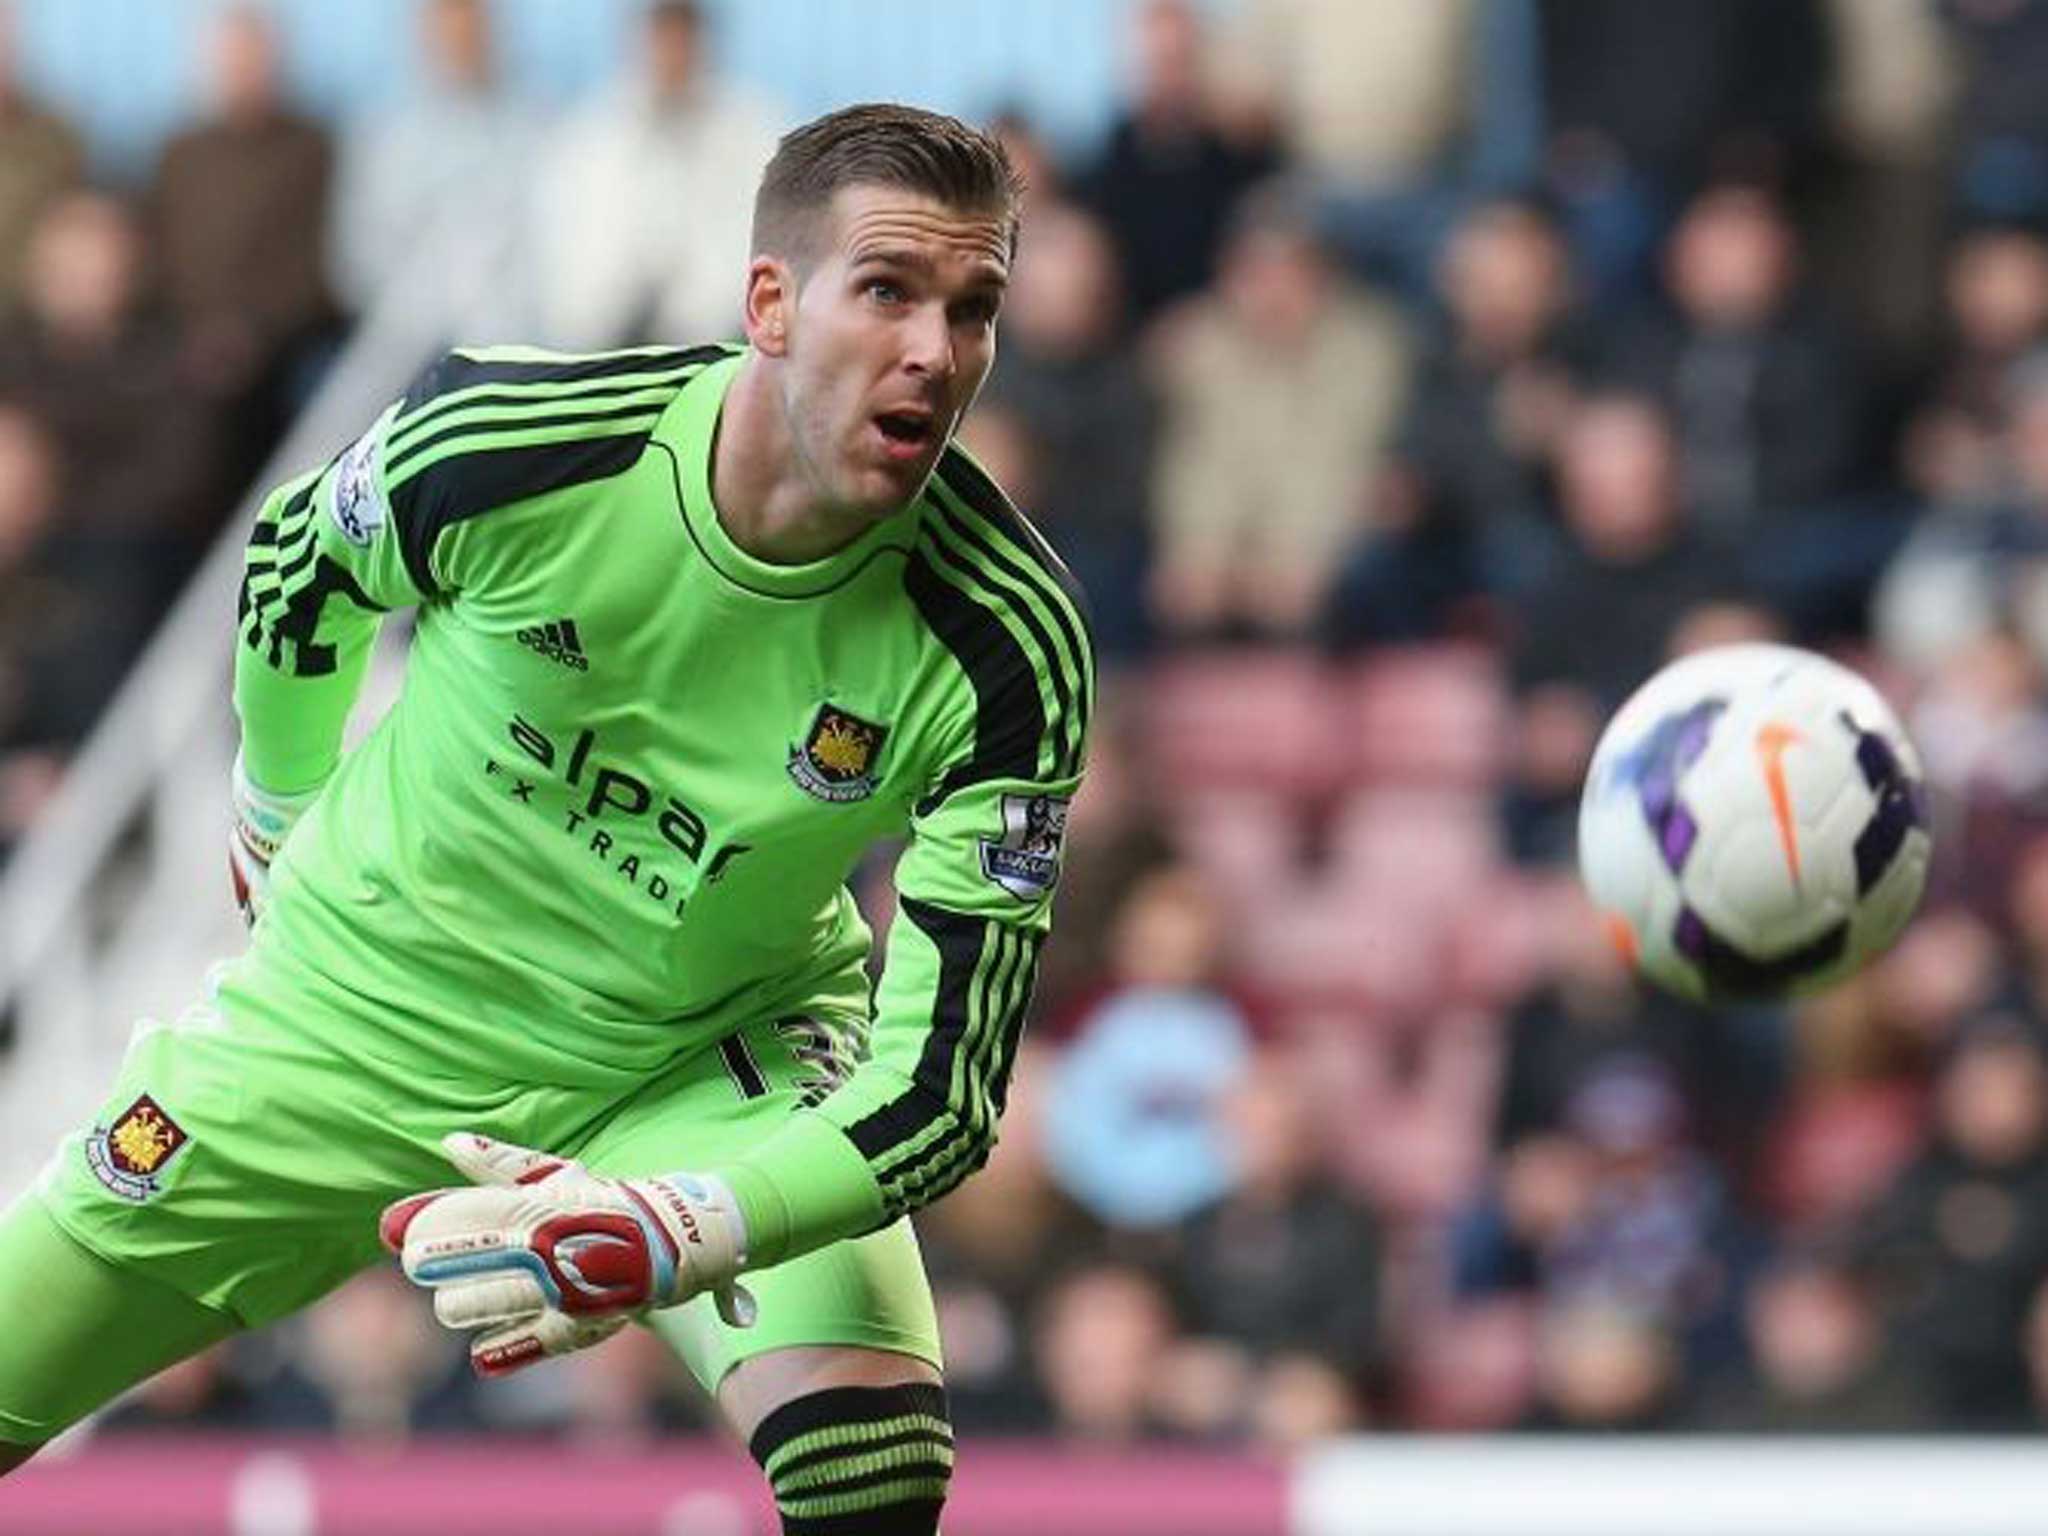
262, 822
547, 1257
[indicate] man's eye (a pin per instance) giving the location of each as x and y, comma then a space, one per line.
883, 291
977, 312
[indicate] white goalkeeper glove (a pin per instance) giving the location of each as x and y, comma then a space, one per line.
547, 1257
262, 822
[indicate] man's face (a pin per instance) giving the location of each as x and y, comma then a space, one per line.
889, 339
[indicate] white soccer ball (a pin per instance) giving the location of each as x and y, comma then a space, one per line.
1753, 824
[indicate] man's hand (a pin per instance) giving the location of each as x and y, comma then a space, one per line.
262, 822
547, 1257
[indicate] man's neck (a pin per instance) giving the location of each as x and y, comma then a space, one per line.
759, 491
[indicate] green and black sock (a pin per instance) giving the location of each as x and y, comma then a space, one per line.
868, 1460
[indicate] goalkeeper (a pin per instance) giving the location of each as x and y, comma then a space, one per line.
555, 985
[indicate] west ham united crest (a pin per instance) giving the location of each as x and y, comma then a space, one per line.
837, 760
129, 1155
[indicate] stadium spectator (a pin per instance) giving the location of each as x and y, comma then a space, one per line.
994, 1250
1628, 139
239, 228
1761, 386
1463, 513
1077, 394
1854, 1110
2000, 133
1281, 391
1618, 1208
1818, 1361
1392, 114
1977, 566
55, 667
1995, 310
41, 156
1584, 1016
1879, 213
2036, 1350
434, 190
1984, 743
1038, 165
643, 198
614, 1397
380, 1366
1101, 1340
1493, 381
1131, 1129
1283, 1272
1359, 96
1169, 175
1957, 1249
2021, 991
137, 439
1634, 560
199, 1392
1603, 1368
1598, 622
1118, 837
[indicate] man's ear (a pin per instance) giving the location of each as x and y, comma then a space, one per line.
770, 305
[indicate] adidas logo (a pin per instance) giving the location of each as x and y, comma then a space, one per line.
557, 641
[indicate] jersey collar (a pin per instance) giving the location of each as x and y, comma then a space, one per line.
685, 431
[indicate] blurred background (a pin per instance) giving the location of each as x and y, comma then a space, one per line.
1405, 379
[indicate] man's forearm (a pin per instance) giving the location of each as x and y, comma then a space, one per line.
804, 1186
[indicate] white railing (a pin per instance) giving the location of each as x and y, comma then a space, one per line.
1403, 1485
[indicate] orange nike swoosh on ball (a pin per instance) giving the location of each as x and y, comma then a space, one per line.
1772, 739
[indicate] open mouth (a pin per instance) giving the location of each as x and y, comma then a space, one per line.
905, 434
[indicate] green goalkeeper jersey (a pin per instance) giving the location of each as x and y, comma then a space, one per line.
615, 806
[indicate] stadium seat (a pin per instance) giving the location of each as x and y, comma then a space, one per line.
1265, 720
1433, 715
1321, 942
1247, 841
1435, 848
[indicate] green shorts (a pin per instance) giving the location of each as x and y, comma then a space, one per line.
242, 1160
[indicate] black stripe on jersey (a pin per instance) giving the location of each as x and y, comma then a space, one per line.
1068, 678
286, 584
458, 370
262, 561
1004, 1005
959, 940
396, 472
1004, 537
1009, 714
471, 484
501, 407
967, 480
300, 620
304, 546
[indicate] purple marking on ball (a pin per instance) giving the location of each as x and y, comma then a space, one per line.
1654, 766
1677, 836
1689, 936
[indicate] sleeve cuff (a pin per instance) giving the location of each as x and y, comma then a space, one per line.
805, 1186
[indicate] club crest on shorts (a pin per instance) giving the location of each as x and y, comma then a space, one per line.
836, 760
129, 1155
1025, 861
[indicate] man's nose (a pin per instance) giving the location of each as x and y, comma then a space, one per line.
929, 343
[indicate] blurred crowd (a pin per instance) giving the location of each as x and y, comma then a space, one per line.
1404, 382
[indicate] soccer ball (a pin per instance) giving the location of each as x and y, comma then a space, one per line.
1753, 824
